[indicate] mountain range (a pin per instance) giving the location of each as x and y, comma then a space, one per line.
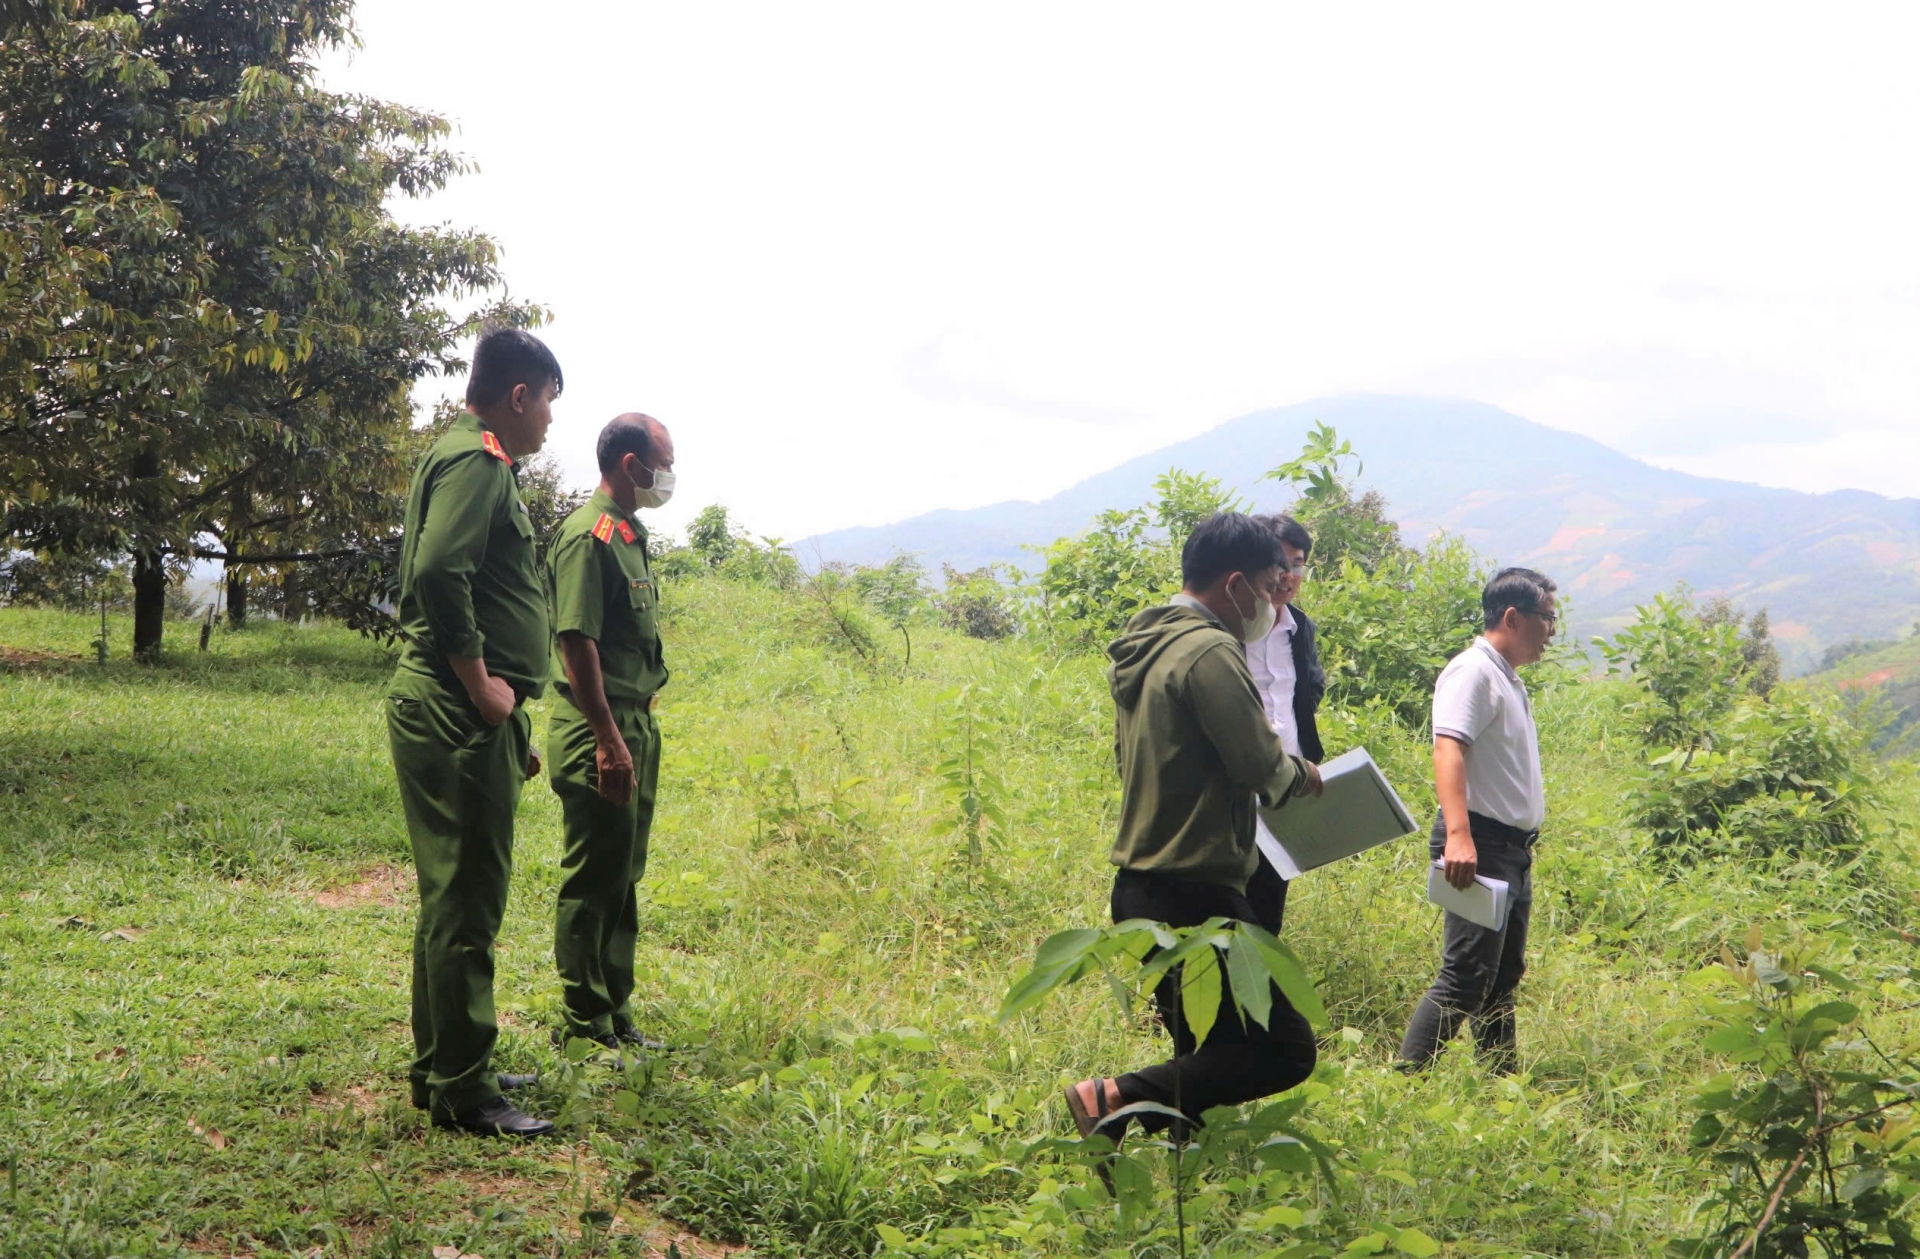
1611, 530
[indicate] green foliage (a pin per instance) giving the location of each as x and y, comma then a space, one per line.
827, 976
1183, 499
70, 583
1689, 669
1344, 526
971, 787
219, 322
978, 603
1812, 1128
1385, 633
1736, 765
1759, 657
712, 536
1782, 777
1093, 584
897, 590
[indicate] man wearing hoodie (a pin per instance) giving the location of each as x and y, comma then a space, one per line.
1194, 747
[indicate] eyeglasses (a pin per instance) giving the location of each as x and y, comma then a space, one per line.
1551, 618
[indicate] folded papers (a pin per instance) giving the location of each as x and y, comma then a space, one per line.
1355, 810
1485, 903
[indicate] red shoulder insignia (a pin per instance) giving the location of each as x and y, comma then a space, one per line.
491, 444
626, 532
603, 528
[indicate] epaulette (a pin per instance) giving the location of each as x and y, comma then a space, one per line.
491, 444
605, 527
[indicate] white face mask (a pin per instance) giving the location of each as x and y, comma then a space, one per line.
1258, 624
661, 491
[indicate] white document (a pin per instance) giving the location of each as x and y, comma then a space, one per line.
1356, 810
1485, 903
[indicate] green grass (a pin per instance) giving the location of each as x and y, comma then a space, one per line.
827, 967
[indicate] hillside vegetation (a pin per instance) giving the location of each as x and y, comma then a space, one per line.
1885, 675
204, 944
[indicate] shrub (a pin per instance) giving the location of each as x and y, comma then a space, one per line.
1688, 669
1739, 765
1812, 1128
978, 603
1786, 776
1093, 584
1385, 634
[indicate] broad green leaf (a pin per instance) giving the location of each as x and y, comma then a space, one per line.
1862, 1181
1289, 974
1412, 1241
1252, 983
891, 1236
1200, 993
1839, 1013
1066, 946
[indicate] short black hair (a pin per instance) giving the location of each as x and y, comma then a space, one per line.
505, 357
1520, 588
629, 434
1291, 531
1228, 542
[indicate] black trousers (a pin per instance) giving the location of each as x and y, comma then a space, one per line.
1240, 1060
1267, 893
1479, 968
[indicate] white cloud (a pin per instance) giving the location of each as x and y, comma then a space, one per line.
868, 259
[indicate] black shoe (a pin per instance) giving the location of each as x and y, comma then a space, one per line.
496, 1117
508, 1083
630, 1035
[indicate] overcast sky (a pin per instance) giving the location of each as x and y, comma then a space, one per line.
869, 259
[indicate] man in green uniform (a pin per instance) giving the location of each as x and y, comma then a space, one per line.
603, 746
473, 618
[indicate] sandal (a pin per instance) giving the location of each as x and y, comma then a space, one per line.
1090, 1124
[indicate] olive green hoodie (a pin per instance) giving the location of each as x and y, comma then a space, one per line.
1194, 748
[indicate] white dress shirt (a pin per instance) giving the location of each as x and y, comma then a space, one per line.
1271, 661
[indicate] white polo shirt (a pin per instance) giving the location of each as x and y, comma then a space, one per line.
1480, 701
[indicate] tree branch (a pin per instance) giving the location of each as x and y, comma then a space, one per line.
277, 557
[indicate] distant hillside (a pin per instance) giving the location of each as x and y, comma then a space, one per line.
1610, 529
1891, 673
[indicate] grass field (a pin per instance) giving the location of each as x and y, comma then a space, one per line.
205, 912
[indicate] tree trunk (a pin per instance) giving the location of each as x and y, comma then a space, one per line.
236, 597
238, 518
293, 600
149, 603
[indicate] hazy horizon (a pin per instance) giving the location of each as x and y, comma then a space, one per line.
867, 259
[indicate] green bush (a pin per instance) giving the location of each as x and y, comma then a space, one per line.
1812, 1128
1094, 583
1738, 766
1385, 634
1787, 776
978, 603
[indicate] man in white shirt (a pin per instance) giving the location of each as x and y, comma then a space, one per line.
1486, 771
1286, 671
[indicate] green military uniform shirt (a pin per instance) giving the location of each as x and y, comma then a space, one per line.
600, 585
469, 582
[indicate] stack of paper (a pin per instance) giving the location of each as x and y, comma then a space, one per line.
1485, 903
1355, 810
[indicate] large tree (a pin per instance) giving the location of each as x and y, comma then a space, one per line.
232, 324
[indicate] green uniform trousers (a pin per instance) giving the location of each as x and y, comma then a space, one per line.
460, 782
598, 919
